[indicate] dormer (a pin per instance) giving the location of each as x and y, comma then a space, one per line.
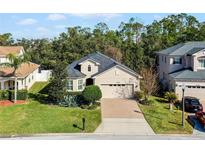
89, 67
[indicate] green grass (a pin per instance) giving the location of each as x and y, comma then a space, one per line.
162, 120
39, 118
37, 87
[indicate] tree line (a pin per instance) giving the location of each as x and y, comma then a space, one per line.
132, 43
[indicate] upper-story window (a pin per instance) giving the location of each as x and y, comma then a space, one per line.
89, 68
177, 60
202, 63
165, 59
70, 84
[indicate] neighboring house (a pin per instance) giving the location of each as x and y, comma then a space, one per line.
183, 65
114, 79
27, 74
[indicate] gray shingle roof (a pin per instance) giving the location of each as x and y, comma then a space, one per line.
188, 74
104, 61
184, 48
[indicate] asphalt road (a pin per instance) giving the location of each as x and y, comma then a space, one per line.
105, 137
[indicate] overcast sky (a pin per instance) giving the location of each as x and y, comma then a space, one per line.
50, 25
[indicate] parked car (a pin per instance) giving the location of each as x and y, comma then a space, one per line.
192, 104
201, 117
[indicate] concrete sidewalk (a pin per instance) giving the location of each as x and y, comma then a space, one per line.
124, 126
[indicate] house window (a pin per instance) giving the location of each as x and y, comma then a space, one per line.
202, 63
163, 75
89, 68
70, 84
29, 80
80, 84
116, 72
177, 60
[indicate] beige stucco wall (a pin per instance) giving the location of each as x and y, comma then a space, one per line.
84, 68
117, 75
114, 75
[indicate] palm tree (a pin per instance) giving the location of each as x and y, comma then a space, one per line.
15, 62
171, 98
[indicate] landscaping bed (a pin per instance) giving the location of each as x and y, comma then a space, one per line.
34, 117
9, 103
162, 120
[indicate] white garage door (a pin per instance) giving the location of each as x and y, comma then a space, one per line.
192, 90
117, 90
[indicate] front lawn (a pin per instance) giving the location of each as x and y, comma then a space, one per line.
39, 118
162, 120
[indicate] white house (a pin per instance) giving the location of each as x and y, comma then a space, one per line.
114, 79
183, 65
27, 74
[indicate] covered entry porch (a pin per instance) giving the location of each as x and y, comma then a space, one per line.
8, 84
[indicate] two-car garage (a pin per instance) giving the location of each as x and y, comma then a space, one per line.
117, 90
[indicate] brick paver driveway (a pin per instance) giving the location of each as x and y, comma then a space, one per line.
120, 108
122, 117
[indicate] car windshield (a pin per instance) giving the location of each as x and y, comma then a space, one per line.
194, 101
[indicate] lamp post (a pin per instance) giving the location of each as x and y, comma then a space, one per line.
183, 89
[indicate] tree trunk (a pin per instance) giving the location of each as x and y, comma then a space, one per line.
15, 90
170, 106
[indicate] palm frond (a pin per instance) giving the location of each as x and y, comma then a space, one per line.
6, 64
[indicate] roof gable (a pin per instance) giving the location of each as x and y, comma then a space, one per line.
91, 60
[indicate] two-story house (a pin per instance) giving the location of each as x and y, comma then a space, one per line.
183, 65
114, 79
27, 74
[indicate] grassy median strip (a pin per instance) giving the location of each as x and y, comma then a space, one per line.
39, 118
162, 120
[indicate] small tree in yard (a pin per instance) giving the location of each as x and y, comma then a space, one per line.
171, 98
92, 94
149, 83
57, 88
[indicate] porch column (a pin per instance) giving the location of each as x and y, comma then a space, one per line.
2, 85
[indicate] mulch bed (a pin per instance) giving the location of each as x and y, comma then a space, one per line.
10, 103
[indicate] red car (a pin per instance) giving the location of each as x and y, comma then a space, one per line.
201, 117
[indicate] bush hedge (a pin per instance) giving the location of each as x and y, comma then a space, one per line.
4, 94
92, 94
9, 94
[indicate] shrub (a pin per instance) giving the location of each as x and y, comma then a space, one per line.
4, 95
21, 94
72, 99
139, 95
92, 94
171, 98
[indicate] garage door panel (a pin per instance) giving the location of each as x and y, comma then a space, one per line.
117, 90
